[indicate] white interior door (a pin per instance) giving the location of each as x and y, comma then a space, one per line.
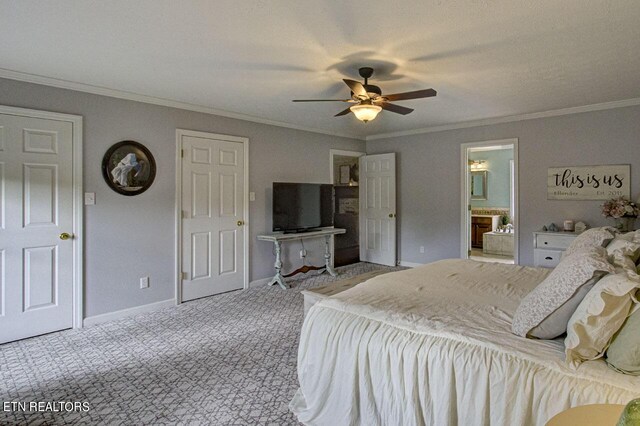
36, 208
212, 216
378, 209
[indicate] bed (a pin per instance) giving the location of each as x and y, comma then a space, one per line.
433, 346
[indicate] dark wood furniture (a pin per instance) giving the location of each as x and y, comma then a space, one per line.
480, 225
346, 246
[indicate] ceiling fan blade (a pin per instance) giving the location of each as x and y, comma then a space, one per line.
344, 112
396, 108
357, 88
322, 100
417, 94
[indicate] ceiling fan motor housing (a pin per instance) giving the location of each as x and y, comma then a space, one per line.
372, 90
365, 72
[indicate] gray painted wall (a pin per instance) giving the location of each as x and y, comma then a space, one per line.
429, 175
130, 237
497, 163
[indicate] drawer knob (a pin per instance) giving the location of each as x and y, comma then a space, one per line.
549, 258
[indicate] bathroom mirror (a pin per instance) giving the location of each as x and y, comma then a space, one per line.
479, 185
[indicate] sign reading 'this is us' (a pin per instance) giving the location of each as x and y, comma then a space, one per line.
589, 182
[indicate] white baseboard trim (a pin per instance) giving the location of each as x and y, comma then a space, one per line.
111, 316
410, 264
259, 282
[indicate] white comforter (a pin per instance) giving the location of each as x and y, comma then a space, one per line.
433, 346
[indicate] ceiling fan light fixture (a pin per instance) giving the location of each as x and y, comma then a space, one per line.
369, 100
365, 112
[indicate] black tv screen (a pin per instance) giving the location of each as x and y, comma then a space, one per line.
302, 206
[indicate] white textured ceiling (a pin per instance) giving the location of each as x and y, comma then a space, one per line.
485, 58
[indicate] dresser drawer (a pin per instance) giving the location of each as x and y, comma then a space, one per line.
546, 258
559, 241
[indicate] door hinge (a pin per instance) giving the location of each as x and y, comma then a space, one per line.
182, 153
469, 207
185, 214
184, 275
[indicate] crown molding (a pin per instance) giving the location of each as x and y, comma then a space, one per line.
509, 119
131, 96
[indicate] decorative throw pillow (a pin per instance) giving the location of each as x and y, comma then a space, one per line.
556, 323
622, 245
594, 237
598, 317
624, 263
623, 354
560, 286
633, 236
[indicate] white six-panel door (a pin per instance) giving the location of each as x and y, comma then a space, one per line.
378, 209
36, 208
213, 225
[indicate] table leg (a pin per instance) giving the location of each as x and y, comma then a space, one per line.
278, 279
327, 256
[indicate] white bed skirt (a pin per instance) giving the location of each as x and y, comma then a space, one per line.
368, 368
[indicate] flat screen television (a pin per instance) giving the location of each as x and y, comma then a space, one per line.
299, 207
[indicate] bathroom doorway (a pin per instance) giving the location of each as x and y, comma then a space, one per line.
489, 201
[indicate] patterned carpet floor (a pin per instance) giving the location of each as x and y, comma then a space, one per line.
228, 359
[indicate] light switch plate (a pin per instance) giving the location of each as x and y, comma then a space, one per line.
89, 198
144, 282
252, 196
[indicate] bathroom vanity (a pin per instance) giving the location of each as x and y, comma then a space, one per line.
481, 224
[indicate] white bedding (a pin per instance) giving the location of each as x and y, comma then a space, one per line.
433, 346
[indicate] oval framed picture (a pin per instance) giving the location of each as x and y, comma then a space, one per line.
128, 168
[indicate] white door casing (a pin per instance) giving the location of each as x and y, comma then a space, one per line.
40, 188
378, 209
213, 214
465, 194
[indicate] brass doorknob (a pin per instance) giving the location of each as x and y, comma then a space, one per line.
65, 236
240, 223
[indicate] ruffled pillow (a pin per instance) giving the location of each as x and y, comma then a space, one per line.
623, 354
545, 311
622, 246
599, 316
633, 236
594, 237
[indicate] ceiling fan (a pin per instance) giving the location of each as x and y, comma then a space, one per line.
368, 99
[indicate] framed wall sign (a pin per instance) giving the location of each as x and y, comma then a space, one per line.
128, 168
589, 182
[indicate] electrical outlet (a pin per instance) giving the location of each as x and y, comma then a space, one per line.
421, 249
144, 282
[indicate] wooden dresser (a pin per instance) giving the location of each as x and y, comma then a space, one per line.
481, 224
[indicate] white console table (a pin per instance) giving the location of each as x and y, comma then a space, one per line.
278, 238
